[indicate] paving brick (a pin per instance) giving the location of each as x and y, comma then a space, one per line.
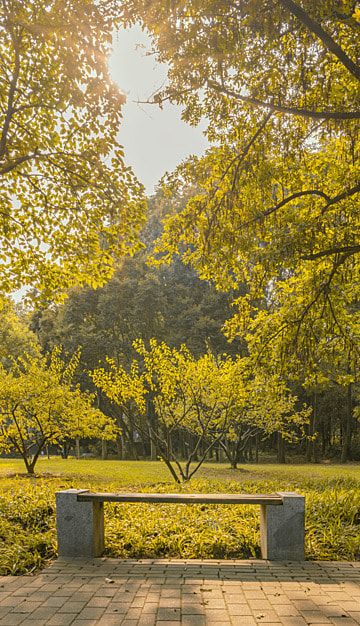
111, 620
315, 617
62, 619
84, 622
12, 619
193, 620
26, 607
350, 606
166, 614
44, 612
166, 623
286, 610
165, 602
98, 602
114, 607
55, 601
91, 613
239, 609
192, 609
148, 620
246, 620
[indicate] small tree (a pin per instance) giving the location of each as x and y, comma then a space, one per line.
187, 398
189, 405
257, 404
39, 406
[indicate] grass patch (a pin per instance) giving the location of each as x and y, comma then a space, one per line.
27, 510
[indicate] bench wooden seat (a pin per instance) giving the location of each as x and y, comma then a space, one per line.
80, 519
183, 498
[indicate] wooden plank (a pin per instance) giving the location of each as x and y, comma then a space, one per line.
183, 498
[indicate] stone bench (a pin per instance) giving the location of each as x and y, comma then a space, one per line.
80, 519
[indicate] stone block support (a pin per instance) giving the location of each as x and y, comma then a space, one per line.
282, 529
80, 525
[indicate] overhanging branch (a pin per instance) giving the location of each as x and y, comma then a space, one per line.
287, 110
349, 250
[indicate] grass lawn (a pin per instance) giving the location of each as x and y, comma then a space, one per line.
27, 521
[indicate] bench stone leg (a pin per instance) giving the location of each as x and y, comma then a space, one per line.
80, 525
282, 529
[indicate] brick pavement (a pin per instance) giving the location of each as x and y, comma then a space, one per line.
111, 592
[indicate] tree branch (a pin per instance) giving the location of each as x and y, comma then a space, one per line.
308, 192
298, 194
335, 250
12, 165
11, 95
326, 39
278, 108
342, 196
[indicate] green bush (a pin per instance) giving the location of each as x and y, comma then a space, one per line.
27, 526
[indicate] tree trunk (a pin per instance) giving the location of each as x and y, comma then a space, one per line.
77, 447
153, 452
119, 447
250, 450
308, 443
281, 458
171, 470
64, 450
30, 463
347, 428
104, 450
256, 449
30, 469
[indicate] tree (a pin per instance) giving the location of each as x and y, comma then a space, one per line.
15, 337
39, 406
258, 405
182, 391
276, 199
68, 203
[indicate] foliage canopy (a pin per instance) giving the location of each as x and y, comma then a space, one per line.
68, 203
277, 200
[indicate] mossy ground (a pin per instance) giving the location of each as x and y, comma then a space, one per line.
27, 510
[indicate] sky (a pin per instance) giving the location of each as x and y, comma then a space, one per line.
155, 140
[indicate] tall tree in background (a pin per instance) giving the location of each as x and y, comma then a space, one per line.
68, 204
277, 199
169, 303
